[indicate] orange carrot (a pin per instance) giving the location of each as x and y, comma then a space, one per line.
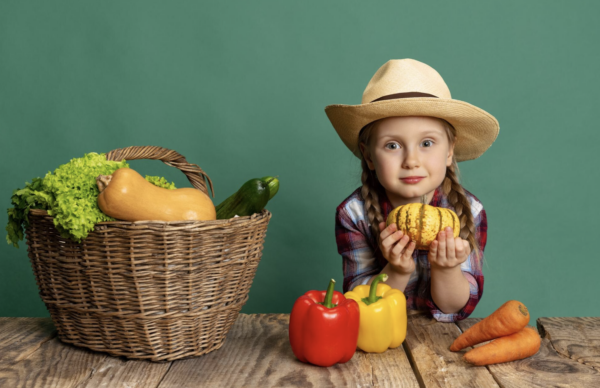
508, 319
522, 344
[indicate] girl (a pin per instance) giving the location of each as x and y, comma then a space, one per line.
409, 134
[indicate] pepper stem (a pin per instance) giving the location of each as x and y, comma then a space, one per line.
373, 291
329, 295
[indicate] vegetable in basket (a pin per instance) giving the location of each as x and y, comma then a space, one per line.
324, 327
382, 315
251, 198
69, 195
125, 195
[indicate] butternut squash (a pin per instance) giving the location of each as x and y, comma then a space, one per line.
126, 195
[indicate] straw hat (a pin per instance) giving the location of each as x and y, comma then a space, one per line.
407, 87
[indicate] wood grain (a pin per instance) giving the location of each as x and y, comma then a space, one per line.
544, 369
54, 364
257, 352
574, 338
117, 372
19, 337
391, 368
427, 343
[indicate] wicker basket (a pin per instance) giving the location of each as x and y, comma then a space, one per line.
151, 290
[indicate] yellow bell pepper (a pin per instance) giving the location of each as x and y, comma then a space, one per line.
382, 315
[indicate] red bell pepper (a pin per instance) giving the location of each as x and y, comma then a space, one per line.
324, 327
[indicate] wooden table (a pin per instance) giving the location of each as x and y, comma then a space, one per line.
257, 353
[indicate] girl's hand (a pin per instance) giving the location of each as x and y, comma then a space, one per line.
396, 248
447, 251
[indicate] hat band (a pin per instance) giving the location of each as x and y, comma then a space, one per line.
404, 95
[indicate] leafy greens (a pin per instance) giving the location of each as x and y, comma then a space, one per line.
69, 195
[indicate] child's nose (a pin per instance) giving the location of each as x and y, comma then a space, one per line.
411, 159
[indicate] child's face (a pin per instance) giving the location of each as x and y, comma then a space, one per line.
402, 147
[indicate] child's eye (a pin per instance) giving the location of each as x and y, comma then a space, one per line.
428, 141
392, 146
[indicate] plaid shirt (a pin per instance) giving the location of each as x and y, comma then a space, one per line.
363, 259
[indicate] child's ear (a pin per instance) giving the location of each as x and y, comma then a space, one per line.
367, 155
450, 155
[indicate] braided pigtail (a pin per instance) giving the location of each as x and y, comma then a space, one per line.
458, 199
370, 186
371, 198
456, 195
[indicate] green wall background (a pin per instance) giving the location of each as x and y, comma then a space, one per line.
239, 88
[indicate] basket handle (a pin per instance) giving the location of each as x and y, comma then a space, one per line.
193, 172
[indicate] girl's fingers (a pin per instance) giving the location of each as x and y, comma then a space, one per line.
381, 226
391, 229
400, 245
467, 248
409, 250
390, 240
460, 247
433, 248
447, 250
450, 244
441, 248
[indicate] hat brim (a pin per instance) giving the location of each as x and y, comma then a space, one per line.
476, 129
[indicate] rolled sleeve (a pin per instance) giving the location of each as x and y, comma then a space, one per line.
359, 262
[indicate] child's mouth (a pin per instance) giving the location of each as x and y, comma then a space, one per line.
411, 180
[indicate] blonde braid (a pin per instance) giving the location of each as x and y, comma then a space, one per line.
370, 185
371, 198
459, 201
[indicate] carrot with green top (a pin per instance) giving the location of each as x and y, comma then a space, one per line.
508, 319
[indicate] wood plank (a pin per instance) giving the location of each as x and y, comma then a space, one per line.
54, 364
257, 352
574, 338
20, 337
427, 344
118, 372
545, 369
391, 368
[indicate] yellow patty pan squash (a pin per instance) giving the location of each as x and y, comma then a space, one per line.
422, 222
382, 315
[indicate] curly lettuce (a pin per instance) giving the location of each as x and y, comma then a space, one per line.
69, 195
160, 182
32, 196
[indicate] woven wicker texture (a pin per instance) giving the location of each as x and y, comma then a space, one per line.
149, 289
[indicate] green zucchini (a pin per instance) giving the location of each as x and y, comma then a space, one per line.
251, 198
273, 185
